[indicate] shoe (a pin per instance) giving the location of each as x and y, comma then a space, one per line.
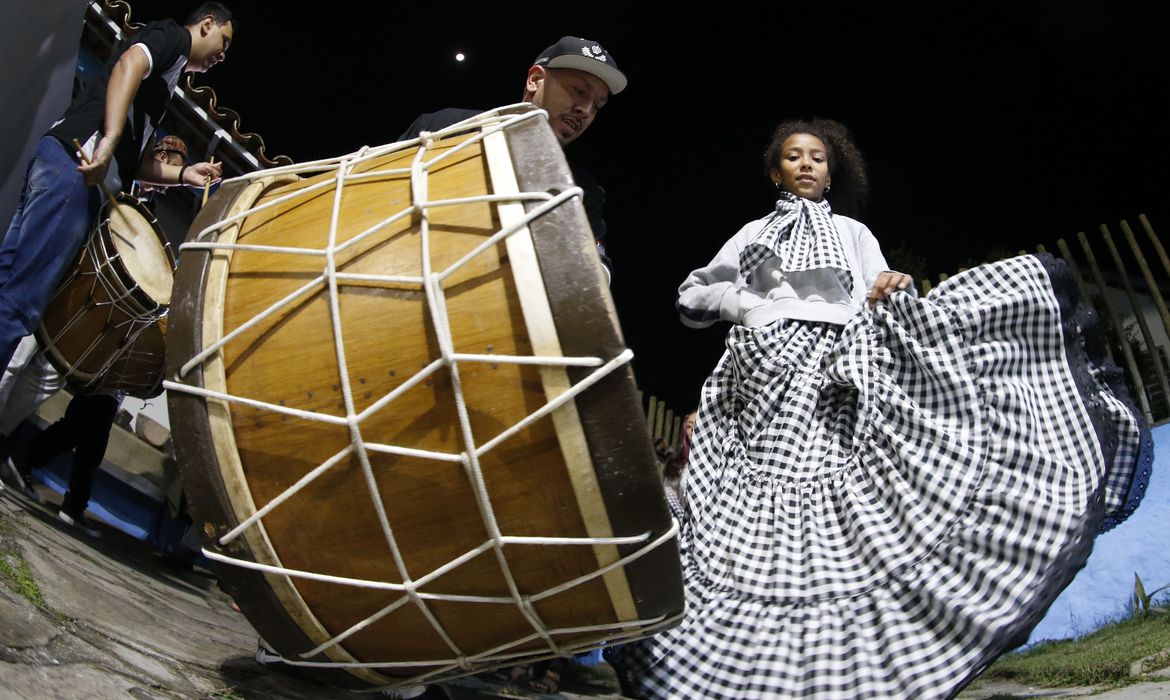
536, 677
410, 691
265, 656
23, 482
79, 522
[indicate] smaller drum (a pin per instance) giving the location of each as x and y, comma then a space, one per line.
103, 327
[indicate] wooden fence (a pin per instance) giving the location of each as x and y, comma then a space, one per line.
663, 422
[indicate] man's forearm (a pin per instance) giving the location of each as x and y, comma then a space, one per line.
124, 83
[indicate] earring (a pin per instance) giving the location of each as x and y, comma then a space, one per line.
827, 188
777, 184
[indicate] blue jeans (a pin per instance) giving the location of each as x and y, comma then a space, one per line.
49, 227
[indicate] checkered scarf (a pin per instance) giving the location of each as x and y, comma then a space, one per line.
802, 235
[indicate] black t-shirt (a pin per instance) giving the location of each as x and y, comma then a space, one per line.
168, 45
594, 199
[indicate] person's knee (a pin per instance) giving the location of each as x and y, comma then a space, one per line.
12, 330
15, 322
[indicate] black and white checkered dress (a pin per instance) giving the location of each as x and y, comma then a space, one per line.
878, 510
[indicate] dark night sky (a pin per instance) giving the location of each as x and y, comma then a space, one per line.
989, 125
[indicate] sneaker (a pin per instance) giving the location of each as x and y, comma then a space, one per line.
23, 482
265, 656
79, 522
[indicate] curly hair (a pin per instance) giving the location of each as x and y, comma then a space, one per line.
850, 190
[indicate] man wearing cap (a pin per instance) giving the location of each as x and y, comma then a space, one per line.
571, 80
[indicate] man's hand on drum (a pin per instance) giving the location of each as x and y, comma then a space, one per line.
202, 174
887, 283
94, 166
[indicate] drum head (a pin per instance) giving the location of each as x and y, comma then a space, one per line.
142, 250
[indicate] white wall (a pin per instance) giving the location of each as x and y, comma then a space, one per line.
1101, 591
39, 40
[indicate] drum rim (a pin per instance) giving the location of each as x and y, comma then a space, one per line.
656, 577
208, 501
122, 198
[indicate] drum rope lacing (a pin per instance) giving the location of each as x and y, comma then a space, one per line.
431, 282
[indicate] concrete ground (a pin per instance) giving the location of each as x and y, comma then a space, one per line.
1155, 685
108, 618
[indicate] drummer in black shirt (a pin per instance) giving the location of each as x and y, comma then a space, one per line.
113, 118
85, 427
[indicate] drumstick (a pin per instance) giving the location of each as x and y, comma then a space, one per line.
207, 182
109, 196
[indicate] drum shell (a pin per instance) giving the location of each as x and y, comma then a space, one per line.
139, 370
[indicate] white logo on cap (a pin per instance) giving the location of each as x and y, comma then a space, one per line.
597, 53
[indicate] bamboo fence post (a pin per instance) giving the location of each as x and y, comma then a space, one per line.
658, 418
1126, 351
1155, 242
1144, 327
1066, 253
1148, 276
1082, 288
650, 410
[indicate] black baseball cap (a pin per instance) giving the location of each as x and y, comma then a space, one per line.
586, 55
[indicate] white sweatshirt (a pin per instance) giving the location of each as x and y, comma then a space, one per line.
718, 292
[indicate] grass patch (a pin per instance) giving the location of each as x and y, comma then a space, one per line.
1100, 657
15, 571
19, 578
9, 524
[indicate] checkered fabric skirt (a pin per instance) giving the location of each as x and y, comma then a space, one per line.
878, 510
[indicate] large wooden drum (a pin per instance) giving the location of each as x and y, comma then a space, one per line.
405, 415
